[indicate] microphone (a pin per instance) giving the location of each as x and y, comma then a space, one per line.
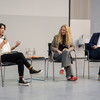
4, 37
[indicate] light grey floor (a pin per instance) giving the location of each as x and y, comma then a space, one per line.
60, 89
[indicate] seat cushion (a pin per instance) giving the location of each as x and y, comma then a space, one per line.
7, 64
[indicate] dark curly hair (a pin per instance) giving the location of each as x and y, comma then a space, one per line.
1, 24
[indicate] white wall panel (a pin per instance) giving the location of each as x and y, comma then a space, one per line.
33, 22
33, 32
34, 7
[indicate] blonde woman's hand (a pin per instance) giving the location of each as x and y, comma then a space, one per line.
67, 49
59, 51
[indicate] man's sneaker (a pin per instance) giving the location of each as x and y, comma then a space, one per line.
22, 82
72, 79
62, 72
33, 71
99, 78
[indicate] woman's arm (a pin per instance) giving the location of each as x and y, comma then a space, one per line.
71, 48
3, 43
17, 44
54, 45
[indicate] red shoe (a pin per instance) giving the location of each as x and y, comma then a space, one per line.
72, 79
62, 71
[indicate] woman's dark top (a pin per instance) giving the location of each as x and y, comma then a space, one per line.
62, 46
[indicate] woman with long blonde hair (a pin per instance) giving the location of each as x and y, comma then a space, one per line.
61, 46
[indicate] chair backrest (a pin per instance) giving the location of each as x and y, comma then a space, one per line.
49, 49
50, 54
86, 49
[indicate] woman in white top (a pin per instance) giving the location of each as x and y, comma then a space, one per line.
15, 57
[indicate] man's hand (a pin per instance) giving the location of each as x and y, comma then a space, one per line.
95, 47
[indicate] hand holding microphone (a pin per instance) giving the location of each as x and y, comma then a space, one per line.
5, 40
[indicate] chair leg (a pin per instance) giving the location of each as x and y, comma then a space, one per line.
76, 66
88, 70
2, 76
31, 74
31, 61
4, 72
84, 68
53, 71
47, 68
31, 78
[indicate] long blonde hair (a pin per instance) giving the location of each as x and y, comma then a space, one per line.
68, 36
